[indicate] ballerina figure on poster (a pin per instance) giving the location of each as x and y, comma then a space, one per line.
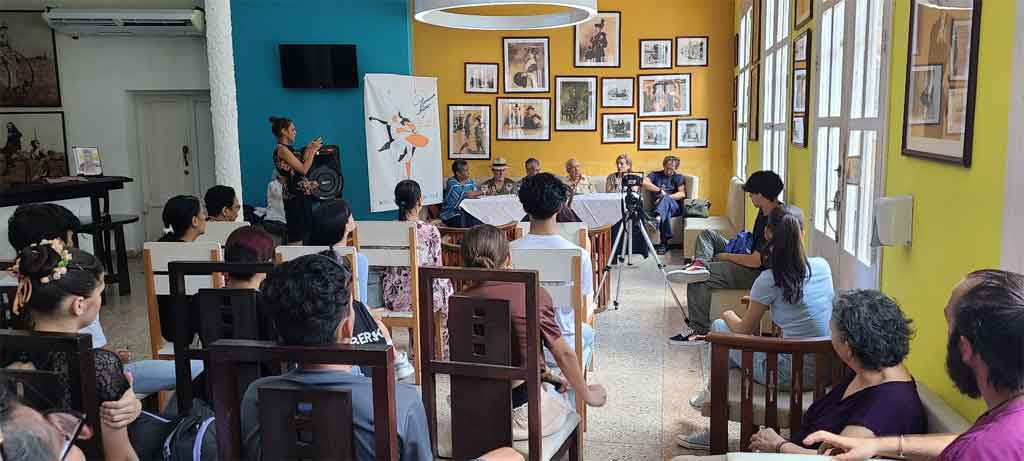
403, 140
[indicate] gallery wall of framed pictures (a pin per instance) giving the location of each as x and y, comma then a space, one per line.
801, 89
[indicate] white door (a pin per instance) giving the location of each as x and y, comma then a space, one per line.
851, 63
175, 150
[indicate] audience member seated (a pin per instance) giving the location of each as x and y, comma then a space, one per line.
274, 220
669, 189
623, 165
984, 358
332, 224
498, 184
532, 166
714, 268
613, 184
184, 220
396, 280
222, 204
871, 335
27, 435
35, 222
59, 290
577, 182
250, 245
308, 300
542, 196
486, 247
456, 188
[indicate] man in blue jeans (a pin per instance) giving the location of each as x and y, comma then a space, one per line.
669, 189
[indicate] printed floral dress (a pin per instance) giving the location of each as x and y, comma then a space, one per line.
396, 281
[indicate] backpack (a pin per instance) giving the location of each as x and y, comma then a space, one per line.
742, 244
188, 438
696, 207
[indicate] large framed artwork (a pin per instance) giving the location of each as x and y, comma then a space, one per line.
655, 135
617, 91
664, 95
618, 128
691, 133
802, 12
524, 119
941, 79
34, 146
691, 51
576, 103
482, 77
469, 131
656, 53
527, 63
28, 61
598, 41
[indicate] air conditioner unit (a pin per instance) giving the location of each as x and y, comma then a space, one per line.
173, 23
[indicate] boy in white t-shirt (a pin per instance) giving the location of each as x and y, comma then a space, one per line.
542, 196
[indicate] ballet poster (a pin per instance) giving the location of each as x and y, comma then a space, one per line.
403, 137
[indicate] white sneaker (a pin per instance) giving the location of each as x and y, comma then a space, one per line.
689, 275
403, 368
699, 399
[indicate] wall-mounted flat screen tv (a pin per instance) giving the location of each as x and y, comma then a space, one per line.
318, 66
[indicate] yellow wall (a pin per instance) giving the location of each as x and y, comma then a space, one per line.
958, 212
441, 52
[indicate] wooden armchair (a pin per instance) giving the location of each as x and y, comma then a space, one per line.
299, 436
600, 250
481, 372
736, 397
40, 389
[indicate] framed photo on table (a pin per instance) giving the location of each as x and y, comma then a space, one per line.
655, 135
576, 103
87, 161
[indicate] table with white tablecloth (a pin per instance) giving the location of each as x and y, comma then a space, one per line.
595, 210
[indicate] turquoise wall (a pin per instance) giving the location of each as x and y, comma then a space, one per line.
380, 29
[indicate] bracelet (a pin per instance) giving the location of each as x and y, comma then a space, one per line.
778, 448
901, 445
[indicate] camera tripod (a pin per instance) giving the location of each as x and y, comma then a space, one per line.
633, 215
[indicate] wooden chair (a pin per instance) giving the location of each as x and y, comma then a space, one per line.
212, 305
226, 354
600, 239
81, 377
289, 252
218, 231
481, 372
510, 229
452, 235
560, 274
736, 397
155, 257
575, 232
451, 255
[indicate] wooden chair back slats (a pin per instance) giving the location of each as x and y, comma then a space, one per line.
218, 231
600, 251
306, 423
481, 332
226, 313
828, 371
510, 230
452, 235
451, 255
225, 354
81, 375
155, 258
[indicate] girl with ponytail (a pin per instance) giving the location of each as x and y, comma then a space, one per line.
59, 290
184, 219
396, 281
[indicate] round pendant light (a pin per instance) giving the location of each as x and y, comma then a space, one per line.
436, 12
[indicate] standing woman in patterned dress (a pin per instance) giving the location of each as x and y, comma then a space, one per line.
292, 167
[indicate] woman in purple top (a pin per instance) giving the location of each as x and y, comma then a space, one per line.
870, 335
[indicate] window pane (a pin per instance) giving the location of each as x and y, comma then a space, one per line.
867, 205
874, 60
747, 23
859, 48
826, 63
836, 91
768, 24
820, 180
832, 178
781, 80
769, 79
783, 19
851, 200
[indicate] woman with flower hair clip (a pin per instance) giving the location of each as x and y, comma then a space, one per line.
59, 290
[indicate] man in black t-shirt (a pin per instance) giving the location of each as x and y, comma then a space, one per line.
713, 268
669, 189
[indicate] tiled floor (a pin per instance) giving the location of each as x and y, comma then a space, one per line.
648, 379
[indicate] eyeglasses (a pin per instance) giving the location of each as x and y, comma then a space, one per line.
70, 424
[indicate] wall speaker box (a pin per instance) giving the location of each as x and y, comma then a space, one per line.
326, 171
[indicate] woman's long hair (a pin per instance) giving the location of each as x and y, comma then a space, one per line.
47, 276
787, 258
484, 246
407, 196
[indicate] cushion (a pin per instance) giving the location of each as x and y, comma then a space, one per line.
735, 378
941, 418
549, 445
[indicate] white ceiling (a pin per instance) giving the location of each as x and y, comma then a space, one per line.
41, 4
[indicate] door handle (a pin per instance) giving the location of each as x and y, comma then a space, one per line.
184, 154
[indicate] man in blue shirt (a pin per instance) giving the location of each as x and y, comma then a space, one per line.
308, 300
669, 189
458, 187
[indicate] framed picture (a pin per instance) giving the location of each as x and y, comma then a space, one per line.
941, 81
524, 119
802, 47
527, 63
802, 12
576, 103
691, 51
798, 131
691, 133
482, 77
656, 53
800, 90
617, 91
597, 41
618, 128
28, 56
664, 95
35, 146
655, 135
469, 131
753, 114
960, 50
87, 161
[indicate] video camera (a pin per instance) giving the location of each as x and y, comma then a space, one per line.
632, 201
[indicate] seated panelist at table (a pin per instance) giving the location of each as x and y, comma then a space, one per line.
458, 187
623, 166
577, 182
499, 184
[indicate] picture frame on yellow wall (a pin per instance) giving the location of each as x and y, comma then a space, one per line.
802, 47
798, 131
576, 103
803, 10
469, 131
618, 128
523, 119
664, 95
618, 92
598, 42
654, 135
692, 51
482, 77
527, 64
691, 133
656, 53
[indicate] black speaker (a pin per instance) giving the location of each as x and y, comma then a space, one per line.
326, 171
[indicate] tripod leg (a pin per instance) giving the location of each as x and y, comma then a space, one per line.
661, 267
608, 264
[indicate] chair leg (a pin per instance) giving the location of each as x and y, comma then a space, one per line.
576, 450
124, 283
